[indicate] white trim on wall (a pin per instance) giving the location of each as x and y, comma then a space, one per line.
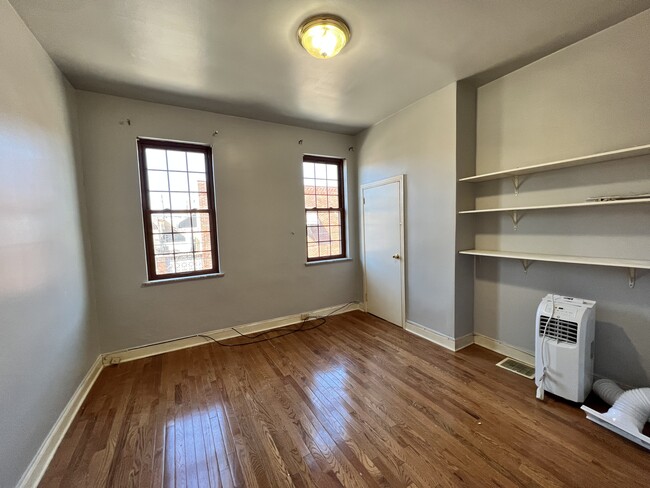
34, 472
144, 351
464, 341
505, 349
438, 338
467, 340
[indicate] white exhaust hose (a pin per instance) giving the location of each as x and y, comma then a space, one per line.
629, 413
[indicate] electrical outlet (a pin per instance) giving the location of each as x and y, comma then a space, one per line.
304, 316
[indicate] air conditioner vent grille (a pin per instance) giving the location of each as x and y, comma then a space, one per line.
561, 330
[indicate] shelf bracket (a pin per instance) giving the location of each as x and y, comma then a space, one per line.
632, 276
516, 182
526, 264
516, 217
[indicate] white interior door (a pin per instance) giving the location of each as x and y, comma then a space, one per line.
383, 249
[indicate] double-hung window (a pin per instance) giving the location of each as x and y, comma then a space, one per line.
178, 203
324, 208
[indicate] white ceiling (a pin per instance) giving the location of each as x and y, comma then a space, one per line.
241, 57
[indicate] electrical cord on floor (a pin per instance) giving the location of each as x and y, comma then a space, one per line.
301, 328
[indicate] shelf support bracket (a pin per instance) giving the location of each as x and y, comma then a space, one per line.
516, 217
526, 264
516, 182
632, 276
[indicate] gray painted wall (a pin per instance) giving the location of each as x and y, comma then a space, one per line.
260, 213
587, 98
46, 326
465, 231
420, 142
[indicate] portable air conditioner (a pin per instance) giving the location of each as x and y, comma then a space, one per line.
564, 346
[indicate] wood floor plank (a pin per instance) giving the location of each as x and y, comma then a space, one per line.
356, 402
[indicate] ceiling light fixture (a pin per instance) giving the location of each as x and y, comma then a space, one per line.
323, 36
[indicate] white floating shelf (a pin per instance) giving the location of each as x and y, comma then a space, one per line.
562, 205
564, 163
556, 258
526, 257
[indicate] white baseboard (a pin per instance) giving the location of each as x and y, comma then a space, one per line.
464, 341
505, 349
438, 338
467, 340
140, 352
34, 472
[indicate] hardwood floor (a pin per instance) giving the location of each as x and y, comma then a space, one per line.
357, 402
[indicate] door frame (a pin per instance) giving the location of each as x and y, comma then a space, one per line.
400, 179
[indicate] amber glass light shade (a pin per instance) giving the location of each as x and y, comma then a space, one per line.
324, 36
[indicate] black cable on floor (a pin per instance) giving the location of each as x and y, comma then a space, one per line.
300, 328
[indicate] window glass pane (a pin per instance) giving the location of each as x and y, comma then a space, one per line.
157, 180
312, 218
200, 222
161, 223
196, 162
199, 200
332, 172
312, 250
320, 170
323, 234
312, 235
181, 222
321, 187
165, 264
176, 161
163, 244
180, 201
335, 232
178, 181
324, 249
183, 242
324, 218
155, 158
198, 182
308, 170
335, 248
332, 187
335, 218
184, 262
310, 201
333, 201
202, 241
321, 201
158, 200
203, 260
310, 186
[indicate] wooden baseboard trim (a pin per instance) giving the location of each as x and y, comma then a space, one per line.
505, 349
144, 351
34, 472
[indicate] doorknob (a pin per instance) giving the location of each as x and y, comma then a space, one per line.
395, 256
